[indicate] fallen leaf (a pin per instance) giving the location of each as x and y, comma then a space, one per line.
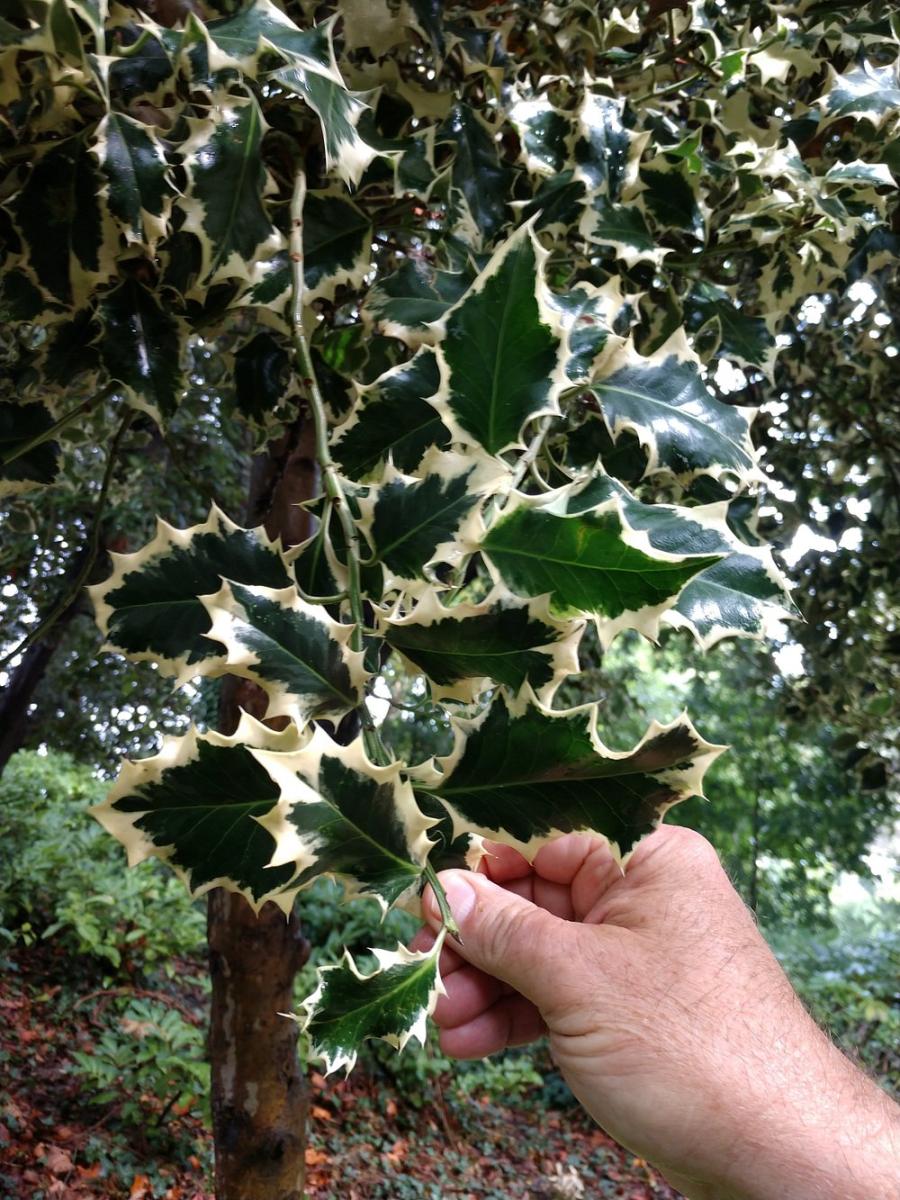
315, 1158
320, 1113
140, 1188
397, 1152
57, 1160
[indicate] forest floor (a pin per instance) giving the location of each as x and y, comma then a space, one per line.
367, 1140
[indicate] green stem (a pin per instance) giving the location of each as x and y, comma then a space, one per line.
66, 419
333, 489
443, 905
46, 624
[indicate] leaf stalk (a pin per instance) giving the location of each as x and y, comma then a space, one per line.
442, 902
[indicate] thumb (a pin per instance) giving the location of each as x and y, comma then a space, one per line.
503, 934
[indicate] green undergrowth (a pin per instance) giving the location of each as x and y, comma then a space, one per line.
849, 978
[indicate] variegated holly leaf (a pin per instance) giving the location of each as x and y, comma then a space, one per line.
317, 570
337, 238
556, 204
684, 428
524, 775
477, 171
670, 197
586, 316
588, 562
261, 26
140, 348
311, 71
24, 464
623, 227
741, 596
197, 805
149, 608
867, 92
59, 215
745, 338
342, 815
738, 596
502, 351
466, 649
545, 134
413, 523
404, 304
603, 146
392, 420
393, 1003
224, 206
294, 651
135, 166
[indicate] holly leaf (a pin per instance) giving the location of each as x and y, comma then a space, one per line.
502, 353
670, 199
404, 304
413, 519
337, 237
867, 92
393, 1003
135, 166
224, 206
623, 227
140, 348
392, 419
197, 805
545, 135
684, 428
590, 562
603, 145
466, 649
310, 71
476, 170
294, 651
524, 775
738, 596
342, 815
149, 607
23, 466
58, 213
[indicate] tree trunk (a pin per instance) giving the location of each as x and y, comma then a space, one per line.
259, 1094
25, 679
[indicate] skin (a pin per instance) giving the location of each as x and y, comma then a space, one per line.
668, 1015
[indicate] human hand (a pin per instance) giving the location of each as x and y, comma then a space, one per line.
668, 1015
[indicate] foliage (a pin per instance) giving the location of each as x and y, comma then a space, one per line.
577, 219
849, 981
60, 878
147, 1060
835, 466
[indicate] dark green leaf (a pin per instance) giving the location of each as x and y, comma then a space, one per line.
393, 419
685, 428
501, 354
411, 519
21, 468
584, 564
528, 775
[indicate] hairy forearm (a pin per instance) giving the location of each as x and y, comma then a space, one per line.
821, 1130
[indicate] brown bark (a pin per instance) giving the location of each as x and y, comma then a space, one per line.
259, 1094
